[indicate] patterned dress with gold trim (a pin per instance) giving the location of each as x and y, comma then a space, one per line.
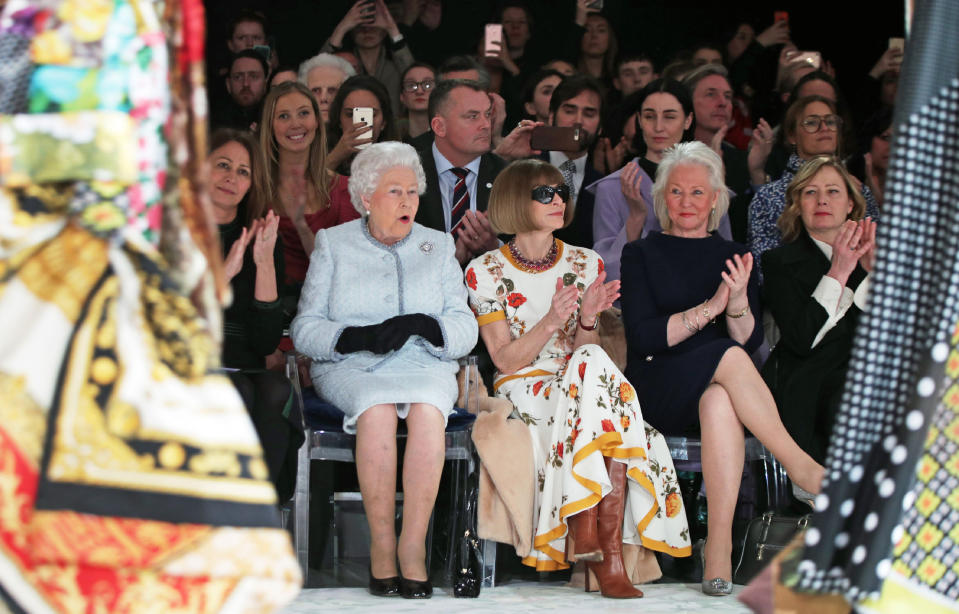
131, 478
579, 408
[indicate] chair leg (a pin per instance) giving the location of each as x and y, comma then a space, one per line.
301, 510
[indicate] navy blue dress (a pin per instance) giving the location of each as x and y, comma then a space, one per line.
663, 275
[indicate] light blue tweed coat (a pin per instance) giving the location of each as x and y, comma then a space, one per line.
355, 280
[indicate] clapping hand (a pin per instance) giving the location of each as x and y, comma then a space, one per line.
850, 245
599, 297
760, 146
737, 280
233, 262
868, 258
265, 231
563, 304
629, 185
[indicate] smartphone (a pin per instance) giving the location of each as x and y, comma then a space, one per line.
595, 4
897, 43
813, 58
555, 138
494, 34
364, 114
780, 16
263, 50
369, 9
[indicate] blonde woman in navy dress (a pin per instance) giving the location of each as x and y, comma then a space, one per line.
690, 306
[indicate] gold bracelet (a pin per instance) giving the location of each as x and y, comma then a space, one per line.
706, 314
738, 315
688, 326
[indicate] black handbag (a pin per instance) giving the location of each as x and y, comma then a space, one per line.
766, 536
469, 574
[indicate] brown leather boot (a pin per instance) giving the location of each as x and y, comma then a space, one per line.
582, 541
611, 573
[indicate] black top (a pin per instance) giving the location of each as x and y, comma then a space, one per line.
252, 329
806, 381
663, 275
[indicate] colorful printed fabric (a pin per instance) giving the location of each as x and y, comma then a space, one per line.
579, 408
131, 477
83, 89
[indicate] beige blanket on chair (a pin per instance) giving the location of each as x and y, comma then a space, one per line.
507, 476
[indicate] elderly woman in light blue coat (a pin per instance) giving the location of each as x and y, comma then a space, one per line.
384, 316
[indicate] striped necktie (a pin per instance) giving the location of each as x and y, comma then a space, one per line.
461, 198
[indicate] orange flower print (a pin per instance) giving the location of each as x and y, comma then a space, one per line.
582, 369
537, 387
573, 391
602, 267
515, 299
608, 426
547, 391
572, 438
626, 392
624, 420
559, 449
673, 504
471, 278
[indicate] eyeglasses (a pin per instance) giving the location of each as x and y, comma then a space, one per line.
813, 122
544, 193
412, 86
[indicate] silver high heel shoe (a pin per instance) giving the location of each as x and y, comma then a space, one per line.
715, 587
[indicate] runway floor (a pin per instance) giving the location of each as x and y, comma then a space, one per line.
520, 597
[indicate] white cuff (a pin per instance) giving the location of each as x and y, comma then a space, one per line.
835, 299
861, 297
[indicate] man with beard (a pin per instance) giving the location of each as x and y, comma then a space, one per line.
246, 85
577, 101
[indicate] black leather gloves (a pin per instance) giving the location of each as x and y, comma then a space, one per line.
390, 334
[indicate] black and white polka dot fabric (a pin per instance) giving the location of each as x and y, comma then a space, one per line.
897, 371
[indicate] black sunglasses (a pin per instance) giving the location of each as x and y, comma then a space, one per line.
544, 193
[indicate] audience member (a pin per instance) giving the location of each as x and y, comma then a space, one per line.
246, 30
464, 67
349, 137
417, 83
537, 301
253, 323
632, 73
246, 86
536, 95
815, 287
598, 49
299, 187
459, 167
384, 345
813, 128
871, 162
563, 67
712, 104
577, 101
706, 53
369, 23
282, 74
689, 358
624, 199
323, 74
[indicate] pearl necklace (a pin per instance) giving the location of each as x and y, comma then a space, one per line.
533, 266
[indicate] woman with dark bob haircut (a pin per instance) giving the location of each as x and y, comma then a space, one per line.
537, 301
815, 287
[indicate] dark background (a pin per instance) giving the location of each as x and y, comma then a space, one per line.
852, 35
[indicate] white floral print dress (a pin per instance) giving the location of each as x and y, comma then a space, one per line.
579, 408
